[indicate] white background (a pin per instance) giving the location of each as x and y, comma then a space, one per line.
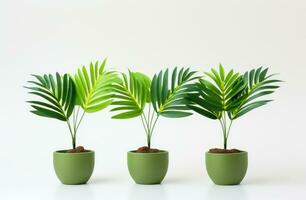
48, 36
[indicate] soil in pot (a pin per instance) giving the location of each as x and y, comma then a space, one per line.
79, 149
217, 150
146, 149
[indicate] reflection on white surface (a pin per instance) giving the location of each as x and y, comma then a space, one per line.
148, 192
226, 192
73, 192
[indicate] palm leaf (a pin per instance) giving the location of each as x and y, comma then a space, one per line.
95, 87
231, 92
259, 84
131, 95
168, 92
213, 94
57, 96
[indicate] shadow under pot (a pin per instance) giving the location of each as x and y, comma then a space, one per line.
148, 168
73, 168
227, 168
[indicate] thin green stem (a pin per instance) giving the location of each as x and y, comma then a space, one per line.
146, 121
222, 121
144, 125
149, 115
77, 114
225, 130
73, 118
149, 123
228, 131
152, 117
72, 134
152, 128
77, 125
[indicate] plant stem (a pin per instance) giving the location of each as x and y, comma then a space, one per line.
153, 126
75, 126
149, 114
149, 123
71, 133
225, 129
143, 124
146, 123
152, 117
228, 131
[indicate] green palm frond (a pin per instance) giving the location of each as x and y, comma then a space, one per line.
168, 92
213, 94
57, 94
259, 84
230, 92
132, 93
95, 87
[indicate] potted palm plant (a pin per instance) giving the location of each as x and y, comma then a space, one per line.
138, 96
67, 99
226, 97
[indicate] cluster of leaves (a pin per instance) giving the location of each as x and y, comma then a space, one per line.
220, 95
217, 95
91, 89
168, 97
230, 92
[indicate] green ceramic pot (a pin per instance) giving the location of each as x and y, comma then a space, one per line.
73, 168
227, 168
148, 168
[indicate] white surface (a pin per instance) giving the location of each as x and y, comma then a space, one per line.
49, 36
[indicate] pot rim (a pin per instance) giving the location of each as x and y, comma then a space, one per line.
64, 152
224, 154
151, 153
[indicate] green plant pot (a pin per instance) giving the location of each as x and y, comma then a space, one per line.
226, 169
73, 168
148, 168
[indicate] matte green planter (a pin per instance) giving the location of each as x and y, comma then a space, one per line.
73, 168
226, 169
148, 168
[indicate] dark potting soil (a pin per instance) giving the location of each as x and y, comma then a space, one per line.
217, 150
78, 149
146, 150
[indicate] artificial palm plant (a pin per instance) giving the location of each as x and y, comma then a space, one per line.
68, 98
138, 96
227, 96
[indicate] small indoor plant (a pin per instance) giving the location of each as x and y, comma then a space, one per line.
138, 96
225, 97
68, 98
